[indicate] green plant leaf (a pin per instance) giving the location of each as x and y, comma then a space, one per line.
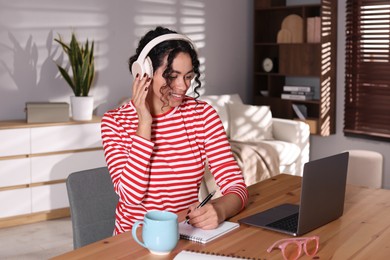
81, 60
66, 76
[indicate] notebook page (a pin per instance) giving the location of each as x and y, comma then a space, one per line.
190, 255
203, 236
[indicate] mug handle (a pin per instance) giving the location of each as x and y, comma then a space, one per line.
134, 232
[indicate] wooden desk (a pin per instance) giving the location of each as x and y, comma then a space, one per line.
363, 232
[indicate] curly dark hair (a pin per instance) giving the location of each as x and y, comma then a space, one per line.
171, 48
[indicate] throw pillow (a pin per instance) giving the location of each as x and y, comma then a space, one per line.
250, 123
219, 103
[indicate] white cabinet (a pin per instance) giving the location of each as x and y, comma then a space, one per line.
49, 197
14, 172
14, 142
63, 138
59, 166
36, 159
15, 202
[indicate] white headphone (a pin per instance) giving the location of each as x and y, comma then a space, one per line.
144, 64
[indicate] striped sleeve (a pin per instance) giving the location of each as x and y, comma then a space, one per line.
128, 158
222, 164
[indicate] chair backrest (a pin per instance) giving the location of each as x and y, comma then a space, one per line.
92, 205
365, 168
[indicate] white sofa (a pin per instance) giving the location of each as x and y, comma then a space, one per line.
263, 146
281, 144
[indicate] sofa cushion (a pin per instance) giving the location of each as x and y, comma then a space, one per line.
249, 123
288, 152
219, 103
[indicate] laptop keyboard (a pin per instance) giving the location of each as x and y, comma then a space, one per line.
289, 223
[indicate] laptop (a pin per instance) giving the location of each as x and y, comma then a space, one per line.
322, 199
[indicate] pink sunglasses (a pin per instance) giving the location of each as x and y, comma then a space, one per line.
292, 247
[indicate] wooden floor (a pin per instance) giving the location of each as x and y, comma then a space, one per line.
39, 241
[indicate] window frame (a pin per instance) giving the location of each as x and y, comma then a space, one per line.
367, 69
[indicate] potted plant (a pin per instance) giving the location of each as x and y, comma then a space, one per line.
81, 62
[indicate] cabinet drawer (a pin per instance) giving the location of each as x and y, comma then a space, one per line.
14, 172
69, 137
15, 142
15, 202
59, 166
48, 197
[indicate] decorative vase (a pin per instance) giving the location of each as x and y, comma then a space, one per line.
82, 108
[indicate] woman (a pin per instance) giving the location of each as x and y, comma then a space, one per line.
156, 145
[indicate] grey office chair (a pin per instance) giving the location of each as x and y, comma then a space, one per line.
92, 205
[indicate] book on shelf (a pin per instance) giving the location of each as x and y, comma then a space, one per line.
289, 88
289, 96
299, 93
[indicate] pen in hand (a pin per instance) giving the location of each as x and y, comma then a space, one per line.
203, 203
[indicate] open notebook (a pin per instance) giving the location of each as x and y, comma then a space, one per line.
192, 255
203, 236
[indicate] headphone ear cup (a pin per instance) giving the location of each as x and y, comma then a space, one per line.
136, 68
148, 67
139, 69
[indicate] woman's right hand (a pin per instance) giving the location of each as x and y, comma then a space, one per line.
140, 92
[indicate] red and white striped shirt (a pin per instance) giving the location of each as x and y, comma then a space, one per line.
165, 173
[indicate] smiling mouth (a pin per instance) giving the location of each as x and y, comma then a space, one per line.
175, 95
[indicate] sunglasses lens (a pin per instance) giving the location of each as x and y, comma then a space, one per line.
311, 247
291, 251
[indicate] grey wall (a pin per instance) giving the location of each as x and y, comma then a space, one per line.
27, 50
27, 72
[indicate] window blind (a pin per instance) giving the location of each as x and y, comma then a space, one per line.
367, 75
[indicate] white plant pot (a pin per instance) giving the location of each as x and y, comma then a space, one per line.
82, 108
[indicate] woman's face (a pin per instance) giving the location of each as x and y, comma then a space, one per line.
181, 76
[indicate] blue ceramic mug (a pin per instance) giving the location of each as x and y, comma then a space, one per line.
160, 232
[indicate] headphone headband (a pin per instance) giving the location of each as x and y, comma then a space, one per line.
159, 39
143, 63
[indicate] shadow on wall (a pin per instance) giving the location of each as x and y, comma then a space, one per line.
30, 82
